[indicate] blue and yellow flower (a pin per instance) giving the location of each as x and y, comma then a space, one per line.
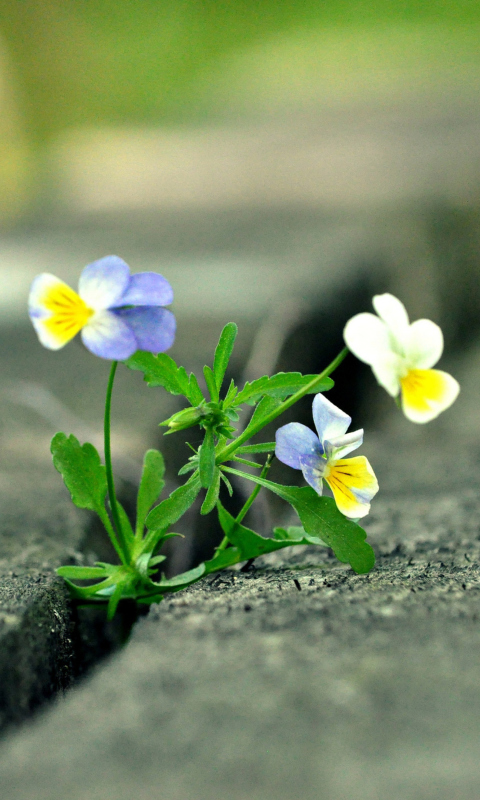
321, 457
117, 313
401, 356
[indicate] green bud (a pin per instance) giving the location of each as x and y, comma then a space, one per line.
186, 418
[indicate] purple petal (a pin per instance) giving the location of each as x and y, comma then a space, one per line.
147, 289
107, 336
153, 328
294, 441
329, 420
313, 468
103, 282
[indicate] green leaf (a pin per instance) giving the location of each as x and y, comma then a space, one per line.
82, 573
168, 511
321, 518
125, 523
264, 408
81, 470
161, 370
229, 397
264, 447
281, 385
207, 459
251, 544
223, 352
212, 495
211, 383
151, 485
179, 581
222, 559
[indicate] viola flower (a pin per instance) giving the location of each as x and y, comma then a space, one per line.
116, 312
321, 457
401, 356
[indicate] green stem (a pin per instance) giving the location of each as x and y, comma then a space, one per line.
122, 549
224, 455
248, 503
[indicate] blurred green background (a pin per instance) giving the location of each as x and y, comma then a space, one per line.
70, 64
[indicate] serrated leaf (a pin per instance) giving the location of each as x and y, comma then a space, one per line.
212, 494
281, 385
161, 370
83, 473
321, 518
223, 352
151, 485
251, 544
207, 459
81, 573
168, 511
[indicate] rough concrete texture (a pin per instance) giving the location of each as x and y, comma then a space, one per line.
298, 679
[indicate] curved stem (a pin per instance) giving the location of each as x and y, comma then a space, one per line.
248, 503
108, 465
224, 455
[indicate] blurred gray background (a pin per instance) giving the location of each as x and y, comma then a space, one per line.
278, 163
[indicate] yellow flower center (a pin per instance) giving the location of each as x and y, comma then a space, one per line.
69, 313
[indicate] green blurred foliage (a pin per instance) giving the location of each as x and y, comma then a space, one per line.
118, 61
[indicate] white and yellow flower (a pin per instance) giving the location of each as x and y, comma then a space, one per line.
401, 356
321, 457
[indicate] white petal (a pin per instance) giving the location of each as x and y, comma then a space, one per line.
367, 337
342, 445
103, 282
425, 344
395, 316
329, 420
388, 372
108, 336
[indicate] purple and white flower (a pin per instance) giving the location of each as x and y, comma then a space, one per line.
321, 457
117, 313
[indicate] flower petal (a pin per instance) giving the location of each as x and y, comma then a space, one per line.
353, 483
153, 328
108, 336
56, 311
294, 441
388, 372
329, 420
313, 468
425, 344
394, 314
147, 289
367, 337
342, 445
103, 282
426, 393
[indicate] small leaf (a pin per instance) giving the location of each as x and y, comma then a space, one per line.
151, 485
180, 581
211, 383
222, 559
251, 544
264, 408
168, 511
223, 352
321, 518
264, 447
212, 495
207, 459
281, 385
82, 573
127, 529
81, 470
161, 370
229, 397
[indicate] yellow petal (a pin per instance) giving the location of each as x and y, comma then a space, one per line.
353, 483
426, 393
57, 312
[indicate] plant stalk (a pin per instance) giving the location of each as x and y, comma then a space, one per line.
108, 467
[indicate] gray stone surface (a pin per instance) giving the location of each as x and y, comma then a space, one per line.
299, 679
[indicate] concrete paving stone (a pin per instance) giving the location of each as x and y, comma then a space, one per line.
298, 679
